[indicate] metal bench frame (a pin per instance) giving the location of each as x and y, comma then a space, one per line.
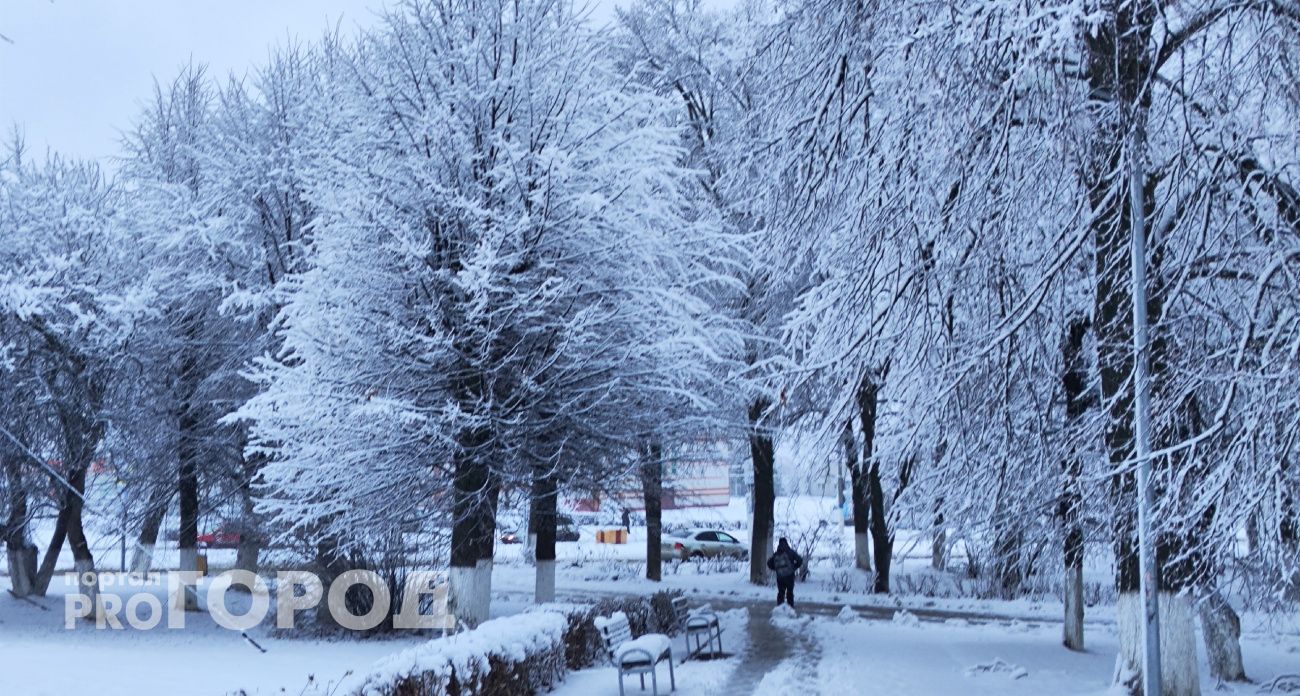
616, 633
701, 624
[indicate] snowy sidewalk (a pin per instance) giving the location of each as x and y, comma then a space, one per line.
772, 648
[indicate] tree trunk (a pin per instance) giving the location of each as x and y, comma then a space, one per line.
83, 562
652, 482
46, 572
248, 552
1074, 380
142, 557
939, 538
761, 453
543, 526
188, 494
882, 537
1288, 528
1222, 632
487, 538
858, 503
473, 524
939, 544
18, 542
187, 456
1178, 669
1117, 63
1072, 634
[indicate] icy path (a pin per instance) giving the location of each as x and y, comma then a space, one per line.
776, 654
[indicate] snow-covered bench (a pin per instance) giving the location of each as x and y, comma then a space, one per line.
700, 622
635, 655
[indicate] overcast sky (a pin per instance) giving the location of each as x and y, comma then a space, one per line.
73, 73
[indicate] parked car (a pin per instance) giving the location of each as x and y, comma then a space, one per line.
565, 530
223, 538
702, 543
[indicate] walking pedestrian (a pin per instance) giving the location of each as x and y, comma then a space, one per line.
785, 562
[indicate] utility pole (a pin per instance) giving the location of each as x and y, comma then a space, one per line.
1141, 405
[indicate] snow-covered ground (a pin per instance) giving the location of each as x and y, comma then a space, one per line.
966, 645
908, 656
40, 657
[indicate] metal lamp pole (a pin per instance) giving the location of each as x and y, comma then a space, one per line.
1141, 404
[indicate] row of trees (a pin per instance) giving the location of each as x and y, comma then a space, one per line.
487, 252
974, 176
360, 297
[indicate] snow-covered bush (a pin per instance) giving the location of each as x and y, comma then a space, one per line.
502, 657
519, 654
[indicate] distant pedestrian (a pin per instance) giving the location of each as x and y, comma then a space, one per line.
785, 562
627, 520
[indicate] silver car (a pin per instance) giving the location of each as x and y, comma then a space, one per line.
702, 543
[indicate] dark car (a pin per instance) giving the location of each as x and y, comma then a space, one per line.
565, 530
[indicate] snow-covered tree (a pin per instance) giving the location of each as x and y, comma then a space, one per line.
503, 266
71, 293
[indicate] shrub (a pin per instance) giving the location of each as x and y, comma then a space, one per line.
510, 656
515, 655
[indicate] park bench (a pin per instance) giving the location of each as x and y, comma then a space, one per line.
701, 623
637, 656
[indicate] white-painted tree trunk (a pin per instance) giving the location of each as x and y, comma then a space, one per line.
22, 570
484, 608
142, 559
1178, 669
1221, 628
85, 570
544, 588
1072, 635
460, 593
190, 562
469, 593
862, 550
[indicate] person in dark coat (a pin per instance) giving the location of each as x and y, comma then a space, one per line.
784, 563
